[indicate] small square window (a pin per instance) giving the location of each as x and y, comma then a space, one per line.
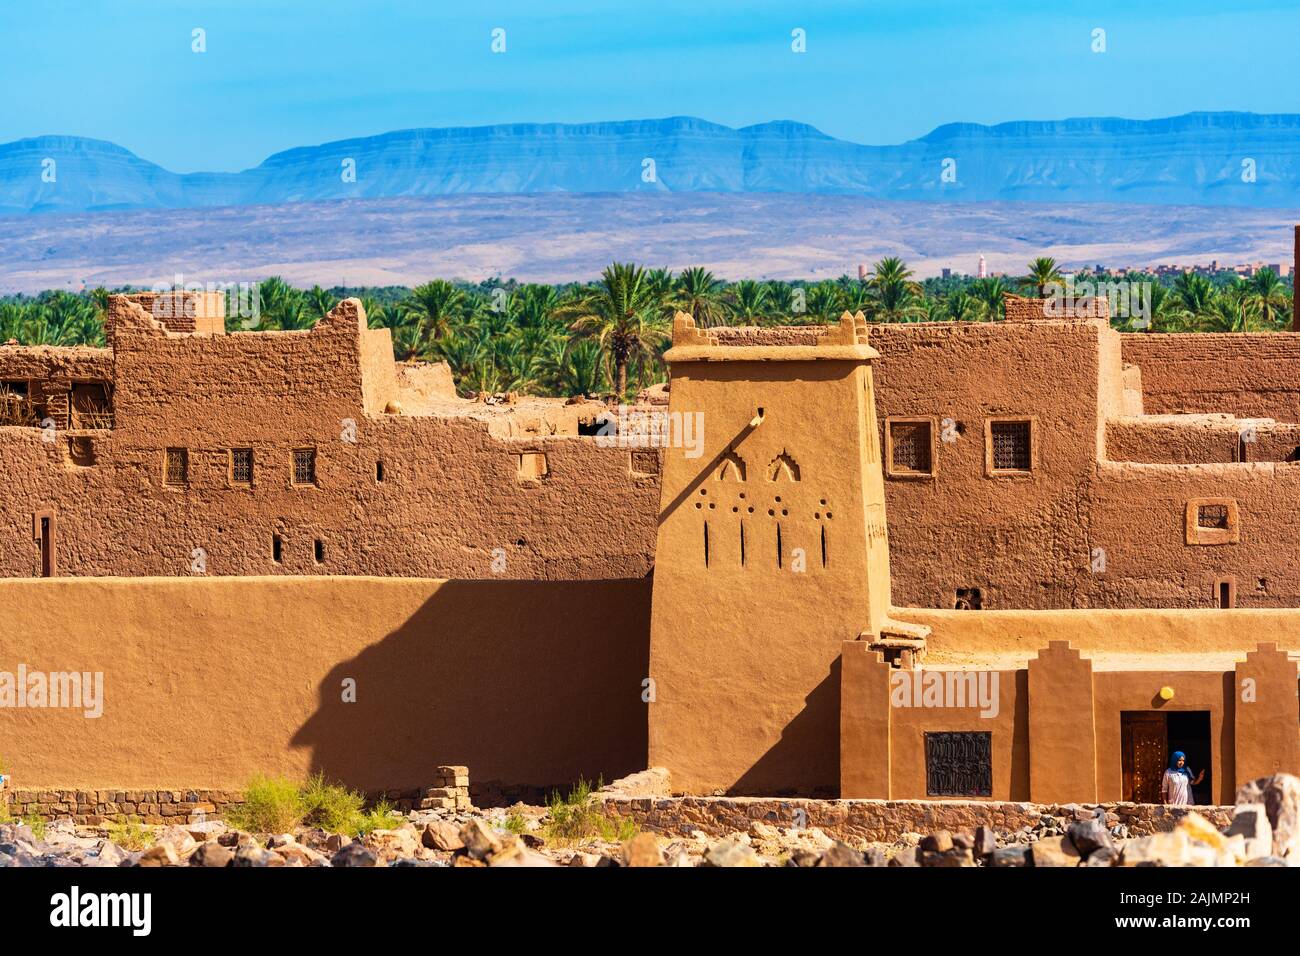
304, 466
241, 466
910, 447
531, 466
176, 470
1009, 446
1212, 521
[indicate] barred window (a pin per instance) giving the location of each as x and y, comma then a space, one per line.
304, 466
1011, 446
910, 447
1212, 516
241, 466
177, 466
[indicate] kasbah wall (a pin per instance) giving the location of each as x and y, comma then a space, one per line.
1124, 438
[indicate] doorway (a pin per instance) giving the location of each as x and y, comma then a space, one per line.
1149, 737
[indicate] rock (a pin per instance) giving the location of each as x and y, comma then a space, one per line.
939, 842
211, 853
1159, 849
1280, 795
256, 856
279, 840
1266, 861
1103, 856
957, 856
1055, 851
160, 854
295, 854
986, 842
642, 850
804, 857
479, 841
336, 842
179, 838
1250, 822
1196, 827
391, 844
522, 856
354, 854
904, 857
207, 830
584, 859
1019, 855
1089, 835
441, 835
841, 854
875, 856
731, 853
110, 854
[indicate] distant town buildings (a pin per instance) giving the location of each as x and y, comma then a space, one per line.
983, 272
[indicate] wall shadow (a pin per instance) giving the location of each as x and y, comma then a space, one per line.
530, 683
808, 750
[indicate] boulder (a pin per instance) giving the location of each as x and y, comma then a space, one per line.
841, 854
904, 857
211, 853
479, 841
1018, 855
1159, 849
1089, 835
803, 856
731, 853
938, 842
1280, 795
441, 835
642, 850
1055, 851
1250, 822
256, 856
354, 854
160, 854
986, 841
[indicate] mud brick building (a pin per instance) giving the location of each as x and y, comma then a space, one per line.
231, 527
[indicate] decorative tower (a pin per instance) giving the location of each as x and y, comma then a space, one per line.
772, 552
983, 268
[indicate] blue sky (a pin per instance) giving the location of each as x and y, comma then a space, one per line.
282, 74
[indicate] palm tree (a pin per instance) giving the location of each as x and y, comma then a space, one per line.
992, 293
1043, 272
623, 314
781, 299
1194, 295
1268, 294
747, 301
897, 297
434, 307
320, 302
698, 295
961, 306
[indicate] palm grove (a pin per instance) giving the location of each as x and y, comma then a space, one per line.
609, 336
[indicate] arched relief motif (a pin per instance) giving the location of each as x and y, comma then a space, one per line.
783, 468
732, 468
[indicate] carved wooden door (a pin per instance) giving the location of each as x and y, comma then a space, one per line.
1145, 743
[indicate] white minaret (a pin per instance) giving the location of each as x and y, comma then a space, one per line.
983, 268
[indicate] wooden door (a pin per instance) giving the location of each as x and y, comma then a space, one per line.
1145, 743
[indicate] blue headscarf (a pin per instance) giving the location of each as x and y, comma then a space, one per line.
1173, 763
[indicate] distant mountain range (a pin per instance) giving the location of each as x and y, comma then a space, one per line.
1220, 159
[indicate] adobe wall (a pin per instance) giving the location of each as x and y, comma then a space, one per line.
208, 682
1020, 539
1247, 373
452, 501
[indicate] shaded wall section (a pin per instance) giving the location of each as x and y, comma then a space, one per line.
209, 681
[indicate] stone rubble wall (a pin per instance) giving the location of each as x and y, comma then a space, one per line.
880, 821
450, 791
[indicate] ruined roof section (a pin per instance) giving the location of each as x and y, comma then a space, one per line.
1021, 309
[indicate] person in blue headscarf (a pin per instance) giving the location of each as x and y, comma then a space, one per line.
1176, 788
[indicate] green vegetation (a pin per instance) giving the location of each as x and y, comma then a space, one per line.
130, 834
579, 816
515, 823
607, 337
278, 805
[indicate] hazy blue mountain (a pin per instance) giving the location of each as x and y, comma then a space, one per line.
1199, 158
